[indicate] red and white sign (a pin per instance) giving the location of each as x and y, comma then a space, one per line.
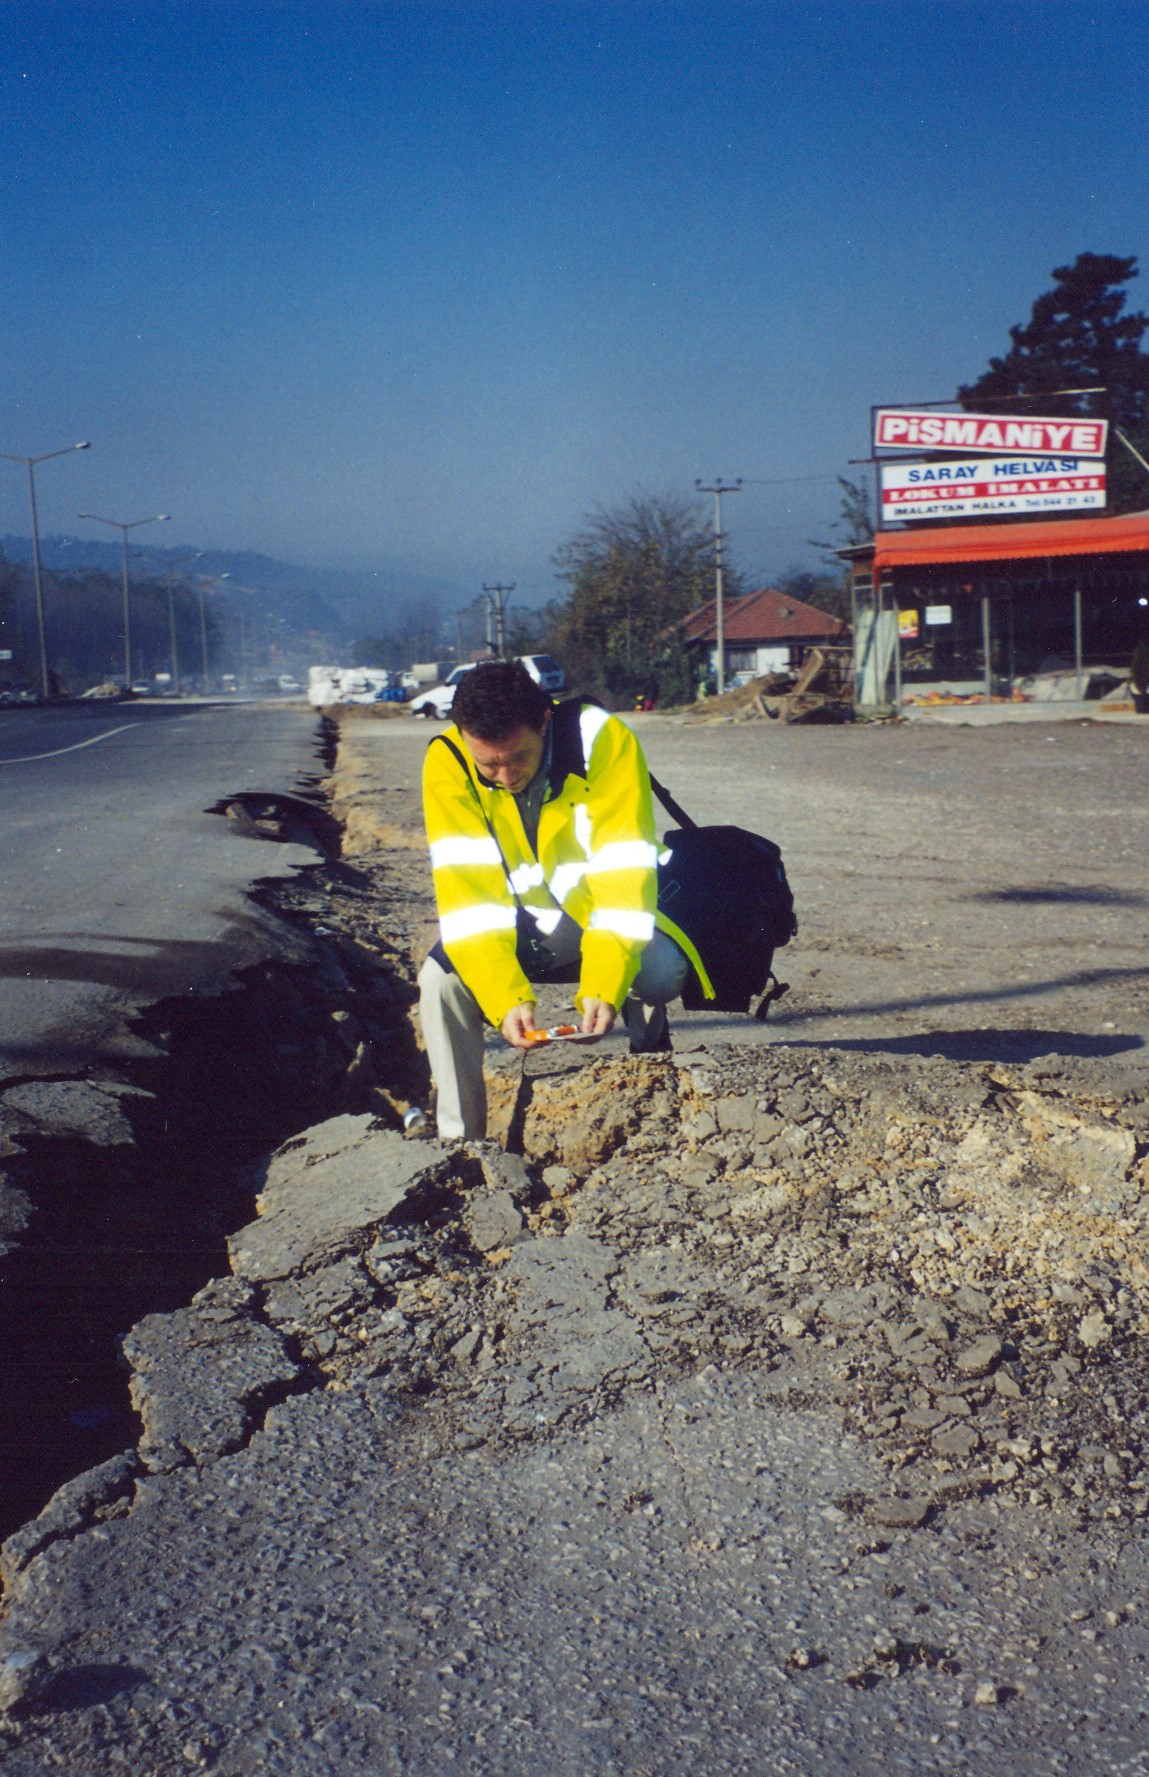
906, 428
980, 485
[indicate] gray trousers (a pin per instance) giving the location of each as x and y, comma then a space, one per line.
453, 1025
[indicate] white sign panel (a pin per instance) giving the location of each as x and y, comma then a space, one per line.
938, 615
907, 428
985, 485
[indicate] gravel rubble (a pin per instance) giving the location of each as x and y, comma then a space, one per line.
773, 1407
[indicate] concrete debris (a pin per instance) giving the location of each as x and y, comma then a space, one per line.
748, 1328
493, 1221
979, 1358
769, 1368
1094, 1330
21, 1671
71, 1509
856, 1230
900, 1514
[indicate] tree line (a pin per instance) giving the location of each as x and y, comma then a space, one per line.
84, 628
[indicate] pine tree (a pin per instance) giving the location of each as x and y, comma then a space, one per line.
1079, 337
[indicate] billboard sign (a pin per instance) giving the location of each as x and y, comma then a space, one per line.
908, 428
981, 486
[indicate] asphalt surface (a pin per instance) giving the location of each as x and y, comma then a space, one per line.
575, 1554
594, 1502
116, 886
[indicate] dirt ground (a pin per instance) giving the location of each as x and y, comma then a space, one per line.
976, 893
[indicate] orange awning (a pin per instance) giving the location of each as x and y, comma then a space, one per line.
1012, 542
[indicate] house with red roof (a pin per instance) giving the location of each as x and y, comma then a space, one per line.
765, 632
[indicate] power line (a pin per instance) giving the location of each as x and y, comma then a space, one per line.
782, 480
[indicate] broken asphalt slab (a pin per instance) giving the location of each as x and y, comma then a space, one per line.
407, 1500
323, 1189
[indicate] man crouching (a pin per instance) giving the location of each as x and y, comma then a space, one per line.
542, 840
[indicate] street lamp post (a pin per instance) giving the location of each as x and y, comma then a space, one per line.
172, 563
498, 597
203, 629
123, 528
30, 463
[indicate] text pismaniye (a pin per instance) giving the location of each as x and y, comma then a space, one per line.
902, 428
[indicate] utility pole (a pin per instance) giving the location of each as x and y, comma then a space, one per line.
203, 627
498, 598
718, 488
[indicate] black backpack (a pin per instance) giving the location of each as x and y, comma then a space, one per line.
724, 887
727, 891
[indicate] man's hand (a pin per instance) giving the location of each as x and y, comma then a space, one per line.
517, 1022
597, 1017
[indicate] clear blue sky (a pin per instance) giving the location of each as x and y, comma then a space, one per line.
414, 286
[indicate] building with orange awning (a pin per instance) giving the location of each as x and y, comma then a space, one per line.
993, 602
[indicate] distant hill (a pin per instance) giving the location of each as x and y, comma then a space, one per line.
338, 602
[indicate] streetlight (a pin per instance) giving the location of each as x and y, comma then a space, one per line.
172, 563
203, 624
31, 462
131, 525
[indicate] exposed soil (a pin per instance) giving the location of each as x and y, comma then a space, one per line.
945, 1237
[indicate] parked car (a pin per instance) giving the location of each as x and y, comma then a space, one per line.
545, 671
437, 702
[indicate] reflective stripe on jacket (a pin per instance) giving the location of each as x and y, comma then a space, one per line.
597, 861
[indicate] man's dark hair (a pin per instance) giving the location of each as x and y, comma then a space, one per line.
497, 697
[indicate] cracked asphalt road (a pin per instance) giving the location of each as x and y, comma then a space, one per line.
565, 1484
116, 885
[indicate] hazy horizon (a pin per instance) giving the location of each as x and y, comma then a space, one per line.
412, 288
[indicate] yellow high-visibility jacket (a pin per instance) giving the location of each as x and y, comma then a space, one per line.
597, 861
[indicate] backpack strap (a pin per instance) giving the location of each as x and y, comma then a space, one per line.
671, 806
567, 754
